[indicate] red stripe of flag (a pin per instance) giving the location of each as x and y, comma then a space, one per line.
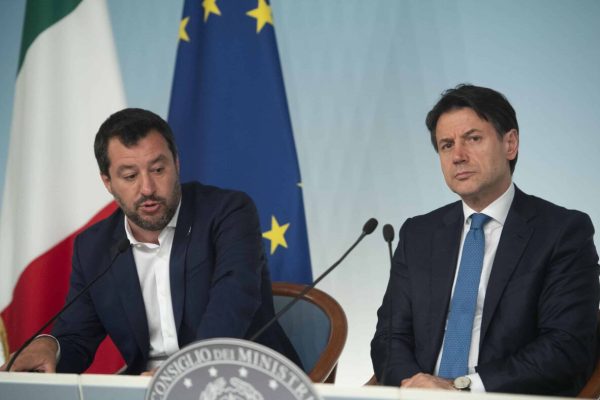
41, 291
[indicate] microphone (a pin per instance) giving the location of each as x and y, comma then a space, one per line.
368, 228
121, 246
388, 236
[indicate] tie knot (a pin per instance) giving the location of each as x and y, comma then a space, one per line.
478, 220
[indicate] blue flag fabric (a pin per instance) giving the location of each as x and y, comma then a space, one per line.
230, 118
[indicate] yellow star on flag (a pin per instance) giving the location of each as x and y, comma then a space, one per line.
277, 234
262, 13
210, 7
182, 33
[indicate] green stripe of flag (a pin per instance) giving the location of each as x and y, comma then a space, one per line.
40, 15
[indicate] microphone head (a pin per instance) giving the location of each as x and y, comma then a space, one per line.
123, 245
370, 226
388, 233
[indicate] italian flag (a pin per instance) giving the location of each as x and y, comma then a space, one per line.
68, 83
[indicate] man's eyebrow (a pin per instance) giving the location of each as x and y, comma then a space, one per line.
470, 132
122, 168
462, 135
159, 158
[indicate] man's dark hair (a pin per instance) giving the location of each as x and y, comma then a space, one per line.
129, 126
489, 105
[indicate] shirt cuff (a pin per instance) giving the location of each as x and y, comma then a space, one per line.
57, 345
476, 383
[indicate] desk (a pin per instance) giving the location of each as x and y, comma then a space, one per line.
28, 386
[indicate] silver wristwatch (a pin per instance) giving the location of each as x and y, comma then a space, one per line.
462, 383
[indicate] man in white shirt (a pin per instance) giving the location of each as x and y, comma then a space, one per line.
498, 292
195, 270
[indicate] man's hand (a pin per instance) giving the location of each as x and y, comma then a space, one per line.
149, 373
426, 381
39, 356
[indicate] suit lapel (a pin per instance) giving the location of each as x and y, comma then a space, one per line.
513, 241
181, 240
446, 243
127, 285
127, 282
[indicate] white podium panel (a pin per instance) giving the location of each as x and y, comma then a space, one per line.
104, 387
32, 386
332, 392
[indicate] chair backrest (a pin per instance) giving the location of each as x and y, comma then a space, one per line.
316, 326
591, 390
3, 343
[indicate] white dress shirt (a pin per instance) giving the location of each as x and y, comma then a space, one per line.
152, 262
497, 210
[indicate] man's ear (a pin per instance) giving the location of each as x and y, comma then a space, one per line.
107, 183
511, 144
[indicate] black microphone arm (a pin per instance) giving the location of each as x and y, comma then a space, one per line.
368, 228
388, 236
121, 246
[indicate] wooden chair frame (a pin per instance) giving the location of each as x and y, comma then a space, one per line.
3, 340
325, 367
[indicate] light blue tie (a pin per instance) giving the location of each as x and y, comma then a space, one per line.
457, 341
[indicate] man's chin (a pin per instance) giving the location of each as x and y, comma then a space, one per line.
156, 224
465, 189
153, 226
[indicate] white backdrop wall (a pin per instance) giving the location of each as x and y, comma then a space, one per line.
360, 77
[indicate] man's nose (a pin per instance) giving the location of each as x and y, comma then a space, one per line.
148, 185
459, 154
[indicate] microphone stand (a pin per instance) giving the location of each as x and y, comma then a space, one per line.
368, 228
388, 236
121, 247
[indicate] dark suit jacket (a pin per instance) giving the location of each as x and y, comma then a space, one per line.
540, 309
220, 285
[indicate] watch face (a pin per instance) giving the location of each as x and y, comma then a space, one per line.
462, 383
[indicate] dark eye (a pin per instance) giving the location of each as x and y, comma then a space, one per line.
474, 138
130, 177
445, 145
159, 170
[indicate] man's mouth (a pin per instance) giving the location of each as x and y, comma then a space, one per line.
463, 175
149, 206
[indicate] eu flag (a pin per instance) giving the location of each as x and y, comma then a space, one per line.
230, 117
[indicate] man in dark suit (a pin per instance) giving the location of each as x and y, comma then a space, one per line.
498, 292
195, 269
